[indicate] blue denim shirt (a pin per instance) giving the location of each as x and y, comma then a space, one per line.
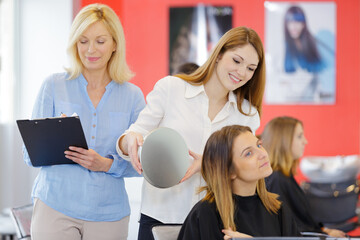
72, 189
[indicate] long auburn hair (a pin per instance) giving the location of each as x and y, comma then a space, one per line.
277, 139
253, 90
216, 170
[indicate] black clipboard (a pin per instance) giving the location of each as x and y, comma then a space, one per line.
46, 139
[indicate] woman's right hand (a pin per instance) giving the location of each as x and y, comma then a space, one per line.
129, 145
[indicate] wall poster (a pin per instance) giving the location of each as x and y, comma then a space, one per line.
194, 31
300, 52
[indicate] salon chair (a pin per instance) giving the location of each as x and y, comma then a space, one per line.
22, 220
332, 189
166, 232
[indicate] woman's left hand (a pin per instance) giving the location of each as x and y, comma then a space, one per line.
229, 234
334, 233
89, 159
194, 167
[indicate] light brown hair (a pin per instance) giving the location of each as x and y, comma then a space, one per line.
277, 139
216, 170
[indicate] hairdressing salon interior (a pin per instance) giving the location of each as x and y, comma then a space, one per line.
33, 40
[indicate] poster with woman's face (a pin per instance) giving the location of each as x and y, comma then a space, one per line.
300, 52
194, 31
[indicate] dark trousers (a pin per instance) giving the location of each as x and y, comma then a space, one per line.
146, 224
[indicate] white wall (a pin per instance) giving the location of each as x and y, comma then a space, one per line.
39, 44
44, 31
133, 188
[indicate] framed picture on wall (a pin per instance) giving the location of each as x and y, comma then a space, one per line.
300, 52
194, 31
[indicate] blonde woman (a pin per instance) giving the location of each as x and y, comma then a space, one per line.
236, 203
227, 89
88, 200
284, 139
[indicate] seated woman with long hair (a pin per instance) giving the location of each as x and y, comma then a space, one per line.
284, 139
236, 203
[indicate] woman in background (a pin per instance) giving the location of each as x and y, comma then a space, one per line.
88, 200
237, 203
187, 68
284, 139
228, 89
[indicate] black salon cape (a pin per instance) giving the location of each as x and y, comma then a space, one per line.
291, 193
251, 217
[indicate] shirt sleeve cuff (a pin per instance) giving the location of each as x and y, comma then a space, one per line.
116, 167
121, 168
118, 150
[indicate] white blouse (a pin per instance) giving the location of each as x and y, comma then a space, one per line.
176, 104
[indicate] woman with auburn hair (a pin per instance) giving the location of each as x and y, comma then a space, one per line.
284, 139
88, 200
254, 90
227, 89
236, 203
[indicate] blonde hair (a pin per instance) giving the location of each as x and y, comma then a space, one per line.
216, 170
277, 139
90, 14
253, 90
